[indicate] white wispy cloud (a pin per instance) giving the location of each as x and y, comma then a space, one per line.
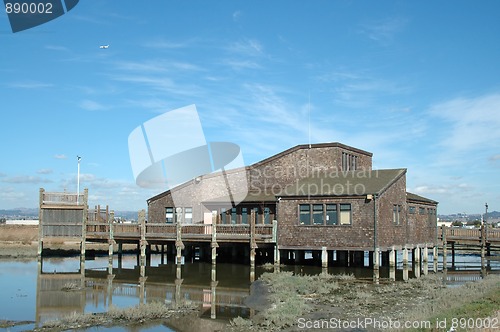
45, 171
167, 44
30, 85
384, 31
156, 66
60, 156
90, 105
25, 179
470, 123
57, 48
248, 47
237, 15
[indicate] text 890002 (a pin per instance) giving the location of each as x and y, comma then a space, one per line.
28, 8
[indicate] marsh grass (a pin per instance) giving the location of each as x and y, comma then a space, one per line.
118, 316
344, 297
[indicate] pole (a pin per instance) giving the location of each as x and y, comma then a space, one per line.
78, 180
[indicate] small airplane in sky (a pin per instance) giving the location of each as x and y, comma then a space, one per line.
104, 46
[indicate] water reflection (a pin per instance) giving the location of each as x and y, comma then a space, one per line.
55, 287
219, 290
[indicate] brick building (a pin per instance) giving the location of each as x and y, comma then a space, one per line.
324, 197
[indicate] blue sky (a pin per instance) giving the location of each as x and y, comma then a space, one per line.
415, 82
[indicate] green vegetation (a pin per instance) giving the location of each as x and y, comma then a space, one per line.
343, 297
116, 316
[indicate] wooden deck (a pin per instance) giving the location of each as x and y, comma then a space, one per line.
157, 233
479, 236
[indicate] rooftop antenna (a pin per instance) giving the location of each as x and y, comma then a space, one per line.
309, 118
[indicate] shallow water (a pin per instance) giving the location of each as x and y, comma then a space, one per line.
32, 289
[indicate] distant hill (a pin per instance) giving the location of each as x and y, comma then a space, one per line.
30, 213
19, 213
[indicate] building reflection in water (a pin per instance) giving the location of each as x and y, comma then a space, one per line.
219, 290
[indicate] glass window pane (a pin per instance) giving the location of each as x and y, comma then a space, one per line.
305, 214
318, 214
331, 214
267, 219
345, 214
169, 214
188, 215
244, 215
233, 216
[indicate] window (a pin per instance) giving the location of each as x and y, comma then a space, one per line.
305, 214
222, 215
349, 162
188, 215
412, 209
244, 215
178, 214
256, 211
267, 217
169, 214
345, 214
432, 213
396, 214
331, 214
233, 216
318, 214
421, 210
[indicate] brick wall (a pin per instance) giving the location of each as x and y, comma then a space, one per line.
270, 176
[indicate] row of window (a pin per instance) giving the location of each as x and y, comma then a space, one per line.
309, 214
240, 215
421, 210
349, 162
174, 215
325, 214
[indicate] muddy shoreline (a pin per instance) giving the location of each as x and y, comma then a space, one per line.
280, 305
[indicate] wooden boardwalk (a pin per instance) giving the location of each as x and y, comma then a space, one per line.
66, 217
470, 236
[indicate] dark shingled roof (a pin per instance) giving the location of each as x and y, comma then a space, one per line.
351, 183
415, 197
334, 183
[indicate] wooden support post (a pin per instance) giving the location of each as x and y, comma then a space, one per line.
276, 255
405, 255
111, 240
425, 258
324, 257
275, 231
392, 257
376, 258
453, 254
483, 240
179, 245
435, 256
392, 264
416, 255
445, 245
40, 223
214, 244
253, 245
416, 261
142, 243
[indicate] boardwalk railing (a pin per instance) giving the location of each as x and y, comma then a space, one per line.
171, 232
64, 198
485, 233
